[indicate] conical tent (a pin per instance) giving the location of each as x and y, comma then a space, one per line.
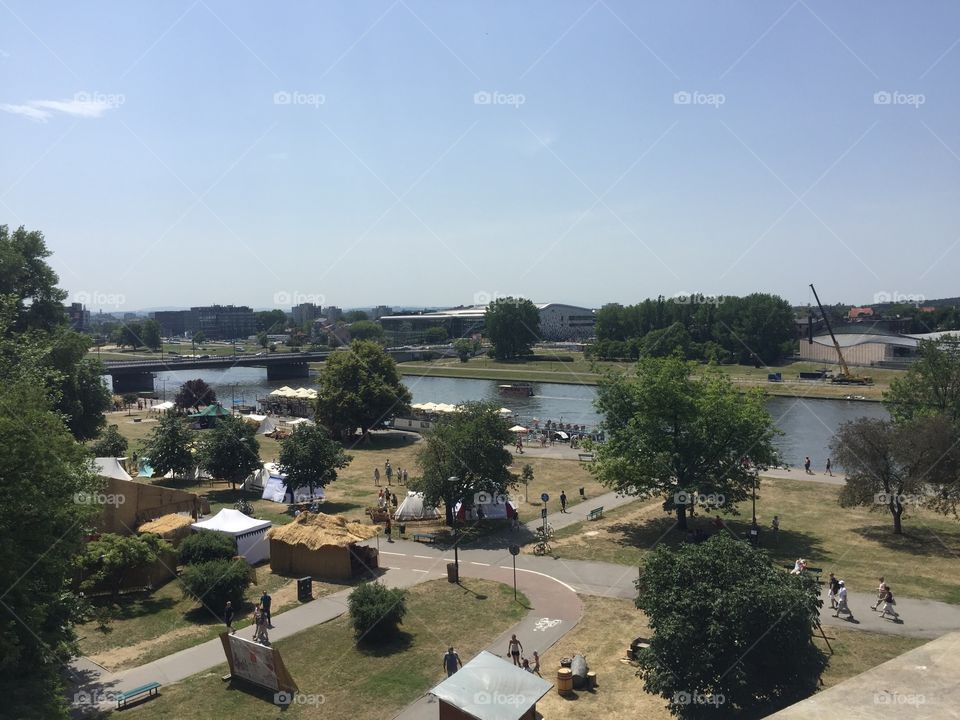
413, 508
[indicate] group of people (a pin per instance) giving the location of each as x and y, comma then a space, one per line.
261, 619
385, 499
452, 661
828, 469
838, 599
388, 472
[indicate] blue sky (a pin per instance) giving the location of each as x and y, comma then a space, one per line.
431, 153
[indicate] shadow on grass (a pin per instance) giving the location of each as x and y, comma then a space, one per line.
916, 539
129, 608
397, 643
389, 440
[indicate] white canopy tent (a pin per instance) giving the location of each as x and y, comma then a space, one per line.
413, 508
496, 508
161, 407
265, 423
487, 676
249, 533
274, 486
111, 467
518, 429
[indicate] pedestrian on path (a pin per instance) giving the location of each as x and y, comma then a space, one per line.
388, 469
452, 661
228, 617
536, 663
888, 603
833, 586
829, 468
257, 622
265, 601
563, 501
405, 476
842, 606
515, 649
376, 477
806, 465
526, 665
881, 593
389, 529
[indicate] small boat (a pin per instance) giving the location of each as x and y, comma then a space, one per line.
518, 388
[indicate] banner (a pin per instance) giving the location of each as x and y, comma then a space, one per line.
256, 663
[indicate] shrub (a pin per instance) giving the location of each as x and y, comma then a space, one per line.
376, 611
213, 583
204, 547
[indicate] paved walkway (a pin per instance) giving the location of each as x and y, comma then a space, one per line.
799, 474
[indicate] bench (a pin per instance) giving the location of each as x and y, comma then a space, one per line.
150, 689
814, 570
425, 537
595, 514
585, 457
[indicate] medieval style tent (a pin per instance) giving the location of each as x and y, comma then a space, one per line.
323, 546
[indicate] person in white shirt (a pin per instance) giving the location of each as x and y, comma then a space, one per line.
842, 602
881, 594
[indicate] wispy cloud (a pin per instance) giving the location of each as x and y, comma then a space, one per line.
85, 105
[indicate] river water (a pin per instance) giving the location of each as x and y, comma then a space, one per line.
807, 425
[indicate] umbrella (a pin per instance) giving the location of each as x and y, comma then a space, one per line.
505, 411
518, 429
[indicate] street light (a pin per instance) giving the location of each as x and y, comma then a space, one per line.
456, 539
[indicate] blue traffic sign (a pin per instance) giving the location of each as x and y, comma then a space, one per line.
544, 498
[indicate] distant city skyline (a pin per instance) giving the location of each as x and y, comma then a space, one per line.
190, 153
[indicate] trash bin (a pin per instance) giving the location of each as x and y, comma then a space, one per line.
305, 589
452, 573
403, 529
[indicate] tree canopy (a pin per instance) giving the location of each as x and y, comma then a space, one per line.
467, 445
193, 394
150, 334
731, 633
229, 450
513, 327
26, 276
931, 385
169, 446
686, 437
309, 458
271, 321
110, 444
366, 330
360, 388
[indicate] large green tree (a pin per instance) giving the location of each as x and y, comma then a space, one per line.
150, 334
110, 444
731, 634
309, 458
366, 330
467, 445
896, 465
194, 393
25, 275
169, 446
360, 388
108, 561
271, 321
512, 326
687, 437
229, 450
130, 332
931, 385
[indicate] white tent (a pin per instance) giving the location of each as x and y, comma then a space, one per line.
518, 429
161, 407
111, 467
413, 508
496, 508
300, 421
274, 485
487, 676
505, 411
265, 423
249, 533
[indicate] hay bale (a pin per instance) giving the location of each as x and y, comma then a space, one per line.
173, 527
316, 530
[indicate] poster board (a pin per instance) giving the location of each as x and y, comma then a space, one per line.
257, 664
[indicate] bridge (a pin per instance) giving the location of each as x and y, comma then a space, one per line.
137, 375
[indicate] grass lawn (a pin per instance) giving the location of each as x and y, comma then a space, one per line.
357, 683
145, 628
609, 625
855, 543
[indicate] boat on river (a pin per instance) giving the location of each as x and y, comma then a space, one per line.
518, 388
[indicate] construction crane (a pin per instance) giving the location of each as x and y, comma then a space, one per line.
845, 376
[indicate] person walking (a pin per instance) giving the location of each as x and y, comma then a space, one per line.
228, 617
388, 469
563, 501
888, 603
842, 606
393, 500
389, 529
881, 593
536, 663
829, 468
833, 587
257, 622
806, 465
775, 526
376, 477
451, 661
405, 476
515, 648
265, 602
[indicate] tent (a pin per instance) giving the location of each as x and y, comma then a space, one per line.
518, 429
505, 411
265, 423
144, 468
162, 407
250, 534
492, 510
413, 508
301, 421
322, 545
468, 692
274, 484
211, 411
111, 467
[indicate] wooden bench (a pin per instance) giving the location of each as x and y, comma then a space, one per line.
595, 514
585, 457
425, 537
814, 570
150, 689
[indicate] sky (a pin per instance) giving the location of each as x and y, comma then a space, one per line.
444, 153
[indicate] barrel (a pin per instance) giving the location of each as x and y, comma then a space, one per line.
591, 680
564, 681
579, 670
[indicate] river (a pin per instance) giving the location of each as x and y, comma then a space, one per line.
807, 424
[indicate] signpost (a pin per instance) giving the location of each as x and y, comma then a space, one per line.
514, 551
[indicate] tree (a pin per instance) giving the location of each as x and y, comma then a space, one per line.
129, 333
79, 392
376, 611
353, 316
151, 334
229, 450
168, 447
109, 560
463, 348
193, 394
271, 321
435, 335
215, 582
731, 635
893, 465
690, 439
262, 339
110, 444
41, 533
360, 388
26, 276
931, 385
467, 445
513, 326
526, 477
201, 547
309, 458
199, 338
366, 330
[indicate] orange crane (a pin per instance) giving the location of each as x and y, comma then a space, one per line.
845, 377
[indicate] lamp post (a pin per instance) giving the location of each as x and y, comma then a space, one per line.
456, 537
